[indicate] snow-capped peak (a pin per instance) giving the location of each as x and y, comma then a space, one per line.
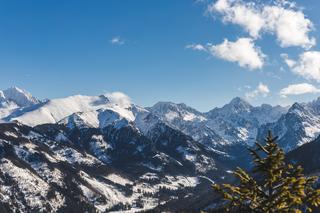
2, 94
94, 119
170, 111
238, 104
2, 97
21, 97
81, 120
296, 107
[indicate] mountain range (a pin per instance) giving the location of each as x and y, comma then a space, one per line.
105, 153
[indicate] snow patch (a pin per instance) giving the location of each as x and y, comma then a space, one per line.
118, 179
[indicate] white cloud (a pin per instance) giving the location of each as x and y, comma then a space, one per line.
119, 98
307, 66
261, 90
117, 40
288, 23
243, 51
199, 47
288, 61
291, 27
237, 12
298, 89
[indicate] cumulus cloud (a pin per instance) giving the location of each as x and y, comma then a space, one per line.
307, 66
261, 90
283, 19
290, 26
117, 40
243, 51
119, 98
237, 12
298, 89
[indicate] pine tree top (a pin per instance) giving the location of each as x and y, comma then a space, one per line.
277, 186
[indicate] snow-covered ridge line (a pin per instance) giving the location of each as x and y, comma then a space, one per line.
116, 109
237, 122
55, 110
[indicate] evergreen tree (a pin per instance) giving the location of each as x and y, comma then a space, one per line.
275, 186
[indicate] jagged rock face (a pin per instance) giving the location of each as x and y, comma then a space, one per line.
300, 125
188, 120
233, 124
238, 121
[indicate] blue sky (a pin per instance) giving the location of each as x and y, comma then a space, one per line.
56, 48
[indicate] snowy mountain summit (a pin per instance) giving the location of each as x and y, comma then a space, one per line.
19, 96
14, 99
237, 105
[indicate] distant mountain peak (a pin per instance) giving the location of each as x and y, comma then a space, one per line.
317, 100
296, 106
266, 106
2, 95
164, 103
16, 90
165, 106
176, 114
19, 96
239, 100
238, 104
